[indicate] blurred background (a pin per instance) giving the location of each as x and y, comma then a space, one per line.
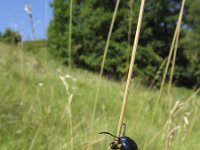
53, 95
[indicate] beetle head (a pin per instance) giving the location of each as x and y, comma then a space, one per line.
116, 144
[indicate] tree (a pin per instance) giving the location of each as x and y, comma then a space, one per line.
58, 29
91, 30
91, 22
188, 72
10, 36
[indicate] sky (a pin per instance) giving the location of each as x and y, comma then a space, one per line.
12, 15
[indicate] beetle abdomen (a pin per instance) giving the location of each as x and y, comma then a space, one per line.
128, 143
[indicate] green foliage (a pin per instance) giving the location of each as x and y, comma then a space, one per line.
58, 31
34, 108
0, 36
10, 36
34, 46
91, 22
146, 62
189, 68
92, 40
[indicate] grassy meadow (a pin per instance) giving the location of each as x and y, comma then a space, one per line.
44, 105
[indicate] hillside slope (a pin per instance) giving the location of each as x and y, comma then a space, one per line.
43, 105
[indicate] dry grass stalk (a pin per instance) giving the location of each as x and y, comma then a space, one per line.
172, 49
173, 44
130, 20
192, 96
170, 131
68, 107
172, 67
170, 136
186, 125
179, 108
103, 64
21, 57
128, 82
46, 28
104, 58
70, 33
188, 101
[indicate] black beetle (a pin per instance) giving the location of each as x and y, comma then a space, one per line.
123, 142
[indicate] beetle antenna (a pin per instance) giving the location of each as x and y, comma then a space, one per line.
108, 134
124, 129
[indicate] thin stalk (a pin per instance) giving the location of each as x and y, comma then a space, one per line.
193, 95
172, 68
168, 62
22, 83
71, 126
89, 146
164, 76
70, 34
46, 26
126, 92
35, 136
167, 65
32, 26
175, 48
68, 108
104, 57
129, 29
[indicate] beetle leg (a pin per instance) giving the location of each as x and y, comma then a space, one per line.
115, 144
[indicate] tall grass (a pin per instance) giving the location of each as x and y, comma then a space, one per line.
41, 119
70, 33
